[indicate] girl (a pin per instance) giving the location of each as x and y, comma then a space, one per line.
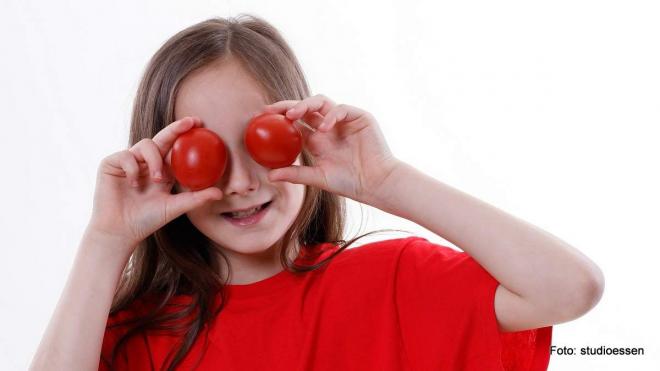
166, 278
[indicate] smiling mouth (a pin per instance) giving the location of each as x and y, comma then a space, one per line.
244, 214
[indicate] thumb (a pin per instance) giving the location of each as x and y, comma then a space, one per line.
310, 175
181, 203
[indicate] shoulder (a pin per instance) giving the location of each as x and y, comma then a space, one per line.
391, 257
449, 269
399, 245
120, 322
125, 319
136, 308
370, 264
146, 305
411, 251
118, 325
380, 249
123, 346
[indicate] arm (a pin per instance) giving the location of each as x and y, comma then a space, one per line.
73, 338
543, 280
123, 215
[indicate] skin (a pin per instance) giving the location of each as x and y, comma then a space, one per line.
543, 280
225, 97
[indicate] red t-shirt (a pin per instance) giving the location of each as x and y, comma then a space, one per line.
398, 304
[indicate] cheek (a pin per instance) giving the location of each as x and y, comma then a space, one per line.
196, 218
295, 195
202, 215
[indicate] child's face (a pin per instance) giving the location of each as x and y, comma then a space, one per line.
225, 97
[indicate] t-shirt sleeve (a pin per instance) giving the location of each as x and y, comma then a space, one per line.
445, 304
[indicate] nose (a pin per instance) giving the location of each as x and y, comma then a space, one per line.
240, 175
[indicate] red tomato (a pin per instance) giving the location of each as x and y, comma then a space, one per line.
273, 141
199, 158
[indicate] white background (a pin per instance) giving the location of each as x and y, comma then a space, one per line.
548, 111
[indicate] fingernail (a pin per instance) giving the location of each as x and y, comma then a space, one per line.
158, 174
134, 183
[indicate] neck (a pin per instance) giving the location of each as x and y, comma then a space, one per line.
250, 268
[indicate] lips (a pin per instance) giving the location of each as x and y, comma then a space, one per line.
261, 206
247, 221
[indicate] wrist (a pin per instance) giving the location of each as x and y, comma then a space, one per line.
105, 242
386, 189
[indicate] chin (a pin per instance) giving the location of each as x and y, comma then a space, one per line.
247, 244
248, 248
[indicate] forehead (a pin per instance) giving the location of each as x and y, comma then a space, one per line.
223, 94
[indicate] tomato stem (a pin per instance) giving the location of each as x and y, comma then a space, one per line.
303, 123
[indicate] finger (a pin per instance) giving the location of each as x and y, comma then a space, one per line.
278, 107
300, 174
146, 150
165, 138
183, 202
318, 103
129, 164
340, 113
310, 121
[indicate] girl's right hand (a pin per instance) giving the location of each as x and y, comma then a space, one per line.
132, 199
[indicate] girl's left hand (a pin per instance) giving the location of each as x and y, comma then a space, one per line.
351, 157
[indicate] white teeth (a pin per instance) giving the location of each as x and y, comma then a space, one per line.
242, 214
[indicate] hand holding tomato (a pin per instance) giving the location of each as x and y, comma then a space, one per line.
133, 189
351, 156
350, 153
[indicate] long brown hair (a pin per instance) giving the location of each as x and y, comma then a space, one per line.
178, 259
